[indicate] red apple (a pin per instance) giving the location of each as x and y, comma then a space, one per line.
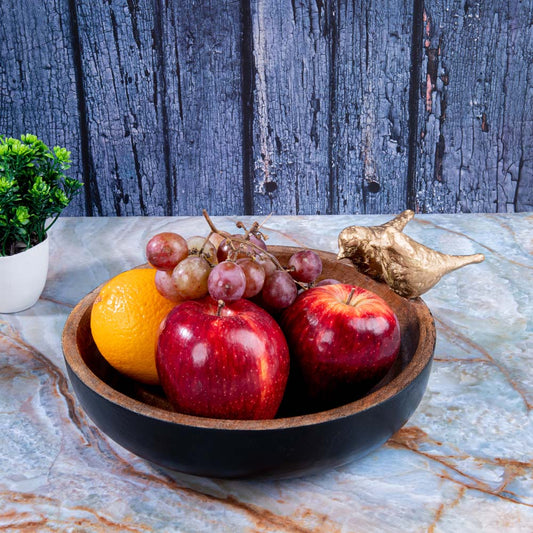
222, 361
343, 338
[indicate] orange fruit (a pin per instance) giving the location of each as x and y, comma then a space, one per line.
125, 320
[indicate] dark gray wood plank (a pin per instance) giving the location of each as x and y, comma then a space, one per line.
291, 107
370, 124
119, 58
475, 127
331, 106
37, 79
201, 46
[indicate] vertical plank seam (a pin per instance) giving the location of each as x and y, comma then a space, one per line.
162, 89
414, 90
247, 104
92, 195
518, 179
333, 206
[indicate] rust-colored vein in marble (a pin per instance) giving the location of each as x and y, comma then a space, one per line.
324, 523
511, 471
456, 337
265, 519
262, 518
21, 522
28, 498
446, 507
412, 437
502, 223
491, 250
24, 521
460, 360
103, 523
58, 302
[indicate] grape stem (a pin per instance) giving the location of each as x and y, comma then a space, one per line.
243, 242
214, 229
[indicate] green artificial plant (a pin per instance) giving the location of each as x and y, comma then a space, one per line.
33, 190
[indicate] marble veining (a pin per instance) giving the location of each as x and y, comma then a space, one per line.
463, 462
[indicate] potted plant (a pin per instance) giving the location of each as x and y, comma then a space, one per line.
34, 190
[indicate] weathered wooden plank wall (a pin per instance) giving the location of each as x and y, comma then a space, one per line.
201, 57
370, 120
258, 106
291, 106
119, 65
476, 102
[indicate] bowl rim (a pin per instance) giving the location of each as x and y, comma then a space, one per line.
421, 358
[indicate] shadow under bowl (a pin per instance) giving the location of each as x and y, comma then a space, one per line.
140, 419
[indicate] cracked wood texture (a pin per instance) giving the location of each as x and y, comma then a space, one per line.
291, 107
475, 150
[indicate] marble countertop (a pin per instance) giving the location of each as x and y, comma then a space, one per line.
463, 462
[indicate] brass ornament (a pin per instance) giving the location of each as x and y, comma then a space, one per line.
387, 254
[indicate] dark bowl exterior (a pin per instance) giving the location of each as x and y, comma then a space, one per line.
271, 453
278, 448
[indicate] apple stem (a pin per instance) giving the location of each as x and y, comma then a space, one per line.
221, 304
349, 299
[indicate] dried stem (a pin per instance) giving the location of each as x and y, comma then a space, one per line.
214, 229
350, 296
244, 242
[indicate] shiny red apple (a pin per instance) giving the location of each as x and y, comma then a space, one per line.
343, 338
222, 360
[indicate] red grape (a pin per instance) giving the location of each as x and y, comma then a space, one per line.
190, 277
166, 287
305, 266
328, 281
199, 246
255, 276
268, 265
227, 281
237, 247
165, 250
231, 246
257, 241
279, 290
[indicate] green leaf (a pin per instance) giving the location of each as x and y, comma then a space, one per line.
62, 154
29, 138
22, 215
7, 185
60, 197
40, 188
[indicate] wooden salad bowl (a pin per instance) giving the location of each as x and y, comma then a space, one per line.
297, 441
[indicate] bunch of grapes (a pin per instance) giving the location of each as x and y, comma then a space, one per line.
229, 267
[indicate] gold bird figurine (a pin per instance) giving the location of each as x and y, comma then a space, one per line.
387, 254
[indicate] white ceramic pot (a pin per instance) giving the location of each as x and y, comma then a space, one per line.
22, 278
